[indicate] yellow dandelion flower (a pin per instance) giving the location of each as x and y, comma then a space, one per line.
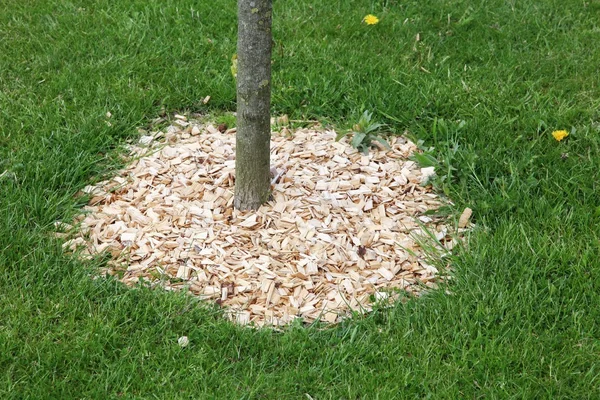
370, 19
560, 135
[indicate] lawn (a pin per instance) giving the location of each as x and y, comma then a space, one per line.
481, 83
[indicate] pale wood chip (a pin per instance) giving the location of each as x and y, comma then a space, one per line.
463, 221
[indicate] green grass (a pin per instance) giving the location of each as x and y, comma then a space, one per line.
484, 87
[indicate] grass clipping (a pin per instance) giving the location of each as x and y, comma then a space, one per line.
339, 235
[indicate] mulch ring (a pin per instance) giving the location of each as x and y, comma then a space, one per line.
341, 233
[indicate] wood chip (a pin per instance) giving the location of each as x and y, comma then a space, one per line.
463, 221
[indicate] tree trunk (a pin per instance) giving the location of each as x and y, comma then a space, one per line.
253, 138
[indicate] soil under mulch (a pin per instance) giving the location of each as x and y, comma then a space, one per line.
340, 233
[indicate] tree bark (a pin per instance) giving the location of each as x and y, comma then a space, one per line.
253, 138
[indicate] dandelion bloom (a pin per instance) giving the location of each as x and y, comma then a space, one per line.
370, 19
560, 135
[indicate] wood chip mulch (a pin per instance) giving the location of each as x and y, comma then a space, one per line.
338, 236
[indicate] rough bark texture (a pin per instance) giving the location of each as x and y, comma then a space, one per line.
252, 172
